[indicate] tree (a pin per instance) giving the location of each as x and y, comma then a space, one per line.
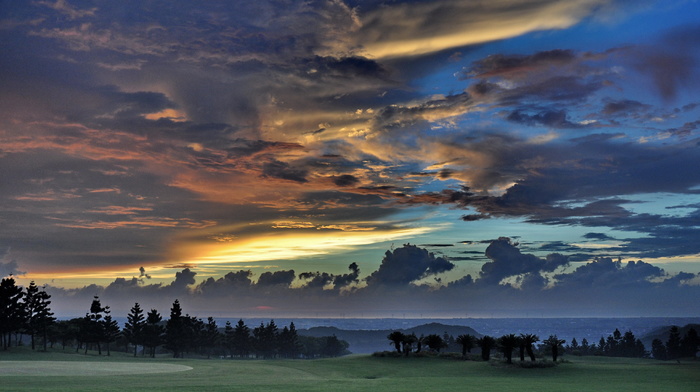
133, 328
408, 342
673, 345
658, 350
92, 328
37, 312
111, 330
176, 333
434, 342
527, 341
241, 342
333, 347
690, 343
396, 338
212, 337
11, 310
585, 347
486, 343
152, 334
508, 344
289, 346
467, 342
555, 345
265, 339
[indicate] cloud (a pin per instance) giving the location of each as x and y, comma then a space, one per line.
407, 264
412, 29
283, 278
507, 261
10, 268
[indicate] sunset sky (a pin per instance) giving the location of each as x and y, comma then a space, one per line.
261, 158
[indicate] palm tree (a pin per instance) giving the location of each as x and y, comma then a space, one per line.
554, 344
407, 342
467, 341
508, 343
486, 343
434, 342
396, 338
527, 341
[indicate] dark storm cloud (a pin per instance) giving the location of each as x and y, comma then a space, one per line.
283, 278
605, 272
549, 118
507, 261
9, 268
283, 170
345, 180
671, 61
624, 108
407, 264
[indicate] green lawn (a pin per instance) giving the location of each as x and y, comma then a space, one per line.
353, 373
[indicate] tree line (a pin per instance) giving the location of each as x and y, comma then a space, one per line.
27, 312
615, 345
406, 344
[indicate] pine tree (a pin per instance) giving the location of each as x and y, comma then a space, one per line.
111, 330
37, 312
673, 345
11, 310
92, 328
153, 332
241, 341
176, 330
133, 329
690, 343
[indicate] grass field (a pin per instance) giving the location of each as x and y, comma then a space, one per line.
353, 373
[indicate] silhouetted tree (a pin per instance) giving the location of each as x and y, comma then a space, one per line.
690, 343
467, 342
585, 347
486, 343
11, 310
265, 339
434, 342
37, 312
673, 344
289, 346
658, 350
408, 342
508, 344
111, 330
241, 340
333, 347
176, 331
92, 328
527, 340
396, 338
555, 345
212, 336
152, 334
133, 328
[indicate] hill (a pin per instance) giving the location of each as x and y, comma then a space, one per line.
369, 341
662, 333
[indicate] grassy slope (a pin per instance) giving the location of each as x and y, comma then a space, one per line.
362, 373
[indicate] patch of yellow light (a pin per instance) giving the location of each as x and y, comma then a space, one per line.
469, 31
281, 246
170, 114
103, 277
543, 138
674, 259
599, 245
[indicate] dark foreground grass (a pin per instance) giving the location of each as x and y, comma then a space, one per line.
360, 373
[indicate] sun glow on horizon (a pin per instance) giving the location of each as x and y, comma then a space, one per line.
285, 246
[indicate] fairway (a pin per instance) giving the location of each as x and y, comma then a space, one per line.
352, 373
84, 368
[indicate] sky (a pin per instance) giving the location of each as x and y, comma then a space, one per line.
353, 158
